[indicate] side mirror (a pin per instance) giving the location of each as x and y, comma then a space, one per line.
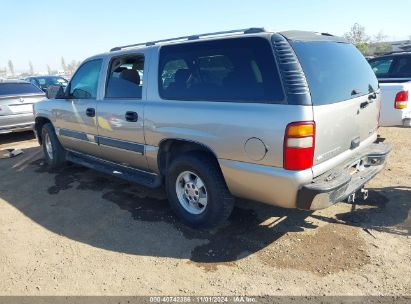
55, 92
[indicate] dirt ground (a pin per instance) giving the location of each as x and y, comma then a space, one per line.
79, 232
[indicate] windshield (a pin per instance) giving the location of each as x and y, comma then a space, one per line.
335, 71
18, 89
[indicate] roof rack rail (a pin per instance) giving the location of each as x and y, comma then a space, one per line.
251, 30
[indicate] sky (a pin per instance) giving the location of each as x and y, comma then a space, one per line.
44, 31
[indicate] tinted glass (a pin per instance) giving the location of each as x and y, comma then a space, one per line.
381, 67
335, 71
46, 81
238, 70
19, 88
401, 67
125, 79
84, 83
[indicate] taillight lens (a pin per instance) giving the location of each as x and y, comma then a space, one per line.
299, 143
401, 100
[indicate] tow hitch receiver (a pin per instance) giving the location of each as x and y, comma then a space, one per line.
362, 193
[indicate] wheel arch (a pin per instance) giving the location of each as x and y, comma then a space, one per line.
39, 122
171, 147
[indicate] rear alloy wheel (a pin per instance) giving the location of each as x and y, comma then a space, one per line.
197, 191
191, 192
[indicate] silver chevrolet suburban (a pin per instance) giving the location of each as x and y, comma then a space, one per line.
288, 119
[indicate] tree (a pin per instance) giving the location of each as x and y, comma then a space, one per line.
31, 68
357, 34
63, 64
380, 37
363, 48
11, 67
359, 38
72, 66
380, 46
48, 70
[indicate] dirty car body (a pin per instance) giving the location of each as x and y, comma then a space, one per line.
288, 119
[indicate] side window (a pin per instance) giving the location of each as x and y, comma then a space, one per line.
232, 70
125, 78
381, 67
84, 83
401, 67
42, 81
168, 75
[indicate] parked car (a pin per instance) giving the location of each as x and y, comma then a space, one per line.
16, 105
394, 74
288, 119
43, 82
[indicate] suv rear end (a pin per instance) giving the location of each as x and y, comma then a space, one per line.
329, 152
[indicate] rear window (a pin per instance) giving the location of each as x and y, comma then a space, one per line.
334, 71
392, 67
401, 67
381, 66
232, 70
19, 89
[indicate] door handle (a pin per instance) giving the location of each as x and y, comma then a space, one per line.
131, 116
91, 112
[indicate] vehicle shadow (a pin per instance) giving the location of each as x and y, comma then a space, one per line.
16, 137
80, 204
385, 210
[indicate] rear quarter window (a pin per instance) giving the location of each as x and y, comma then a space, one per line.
401, 67
231, 70
19, 89
382, 66
335, 71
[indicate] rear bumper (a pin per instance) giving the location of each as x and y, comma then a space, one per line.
15, 123
339, 183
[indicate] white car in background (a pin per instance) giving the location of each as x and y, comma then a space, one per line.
394, 74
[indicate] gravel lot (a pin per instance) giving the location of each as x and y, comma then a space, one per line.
77, 232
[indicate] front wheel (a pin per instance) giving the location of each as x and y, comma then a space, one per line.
54, 152
197, 191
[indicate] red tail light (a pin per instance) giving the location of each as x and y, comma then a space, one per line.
299, 143
401, 100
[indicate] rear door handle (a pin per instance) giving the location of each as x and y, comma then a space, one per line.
131, 116
91, 112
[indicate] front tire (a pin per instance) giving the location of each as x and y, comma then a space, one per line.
54, 152
197, 191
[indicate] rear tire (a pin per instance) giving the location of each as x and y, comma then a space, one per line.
54, 152
197, 191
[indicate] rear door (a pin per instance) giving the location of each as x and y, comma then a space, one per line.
120, 113
345, 96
